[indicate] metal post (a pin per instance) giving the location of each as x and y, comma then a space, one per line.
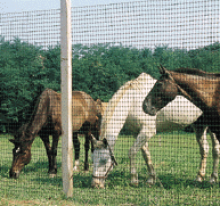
66, 102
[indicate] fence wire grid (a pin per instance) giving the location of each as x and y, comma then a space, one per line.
180, 24
117, 49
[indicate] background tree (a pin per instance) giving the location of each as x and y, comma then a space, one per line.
26, 70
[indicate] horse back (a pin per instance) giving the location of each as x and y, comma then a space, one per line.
84, 107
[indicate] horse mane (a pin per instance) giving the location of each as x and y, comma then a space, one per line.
194, 71
111, 106
108, 114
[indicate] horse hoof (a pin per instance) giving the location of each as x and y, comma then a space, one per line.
76, 169
97, 184
52, 175
98, 187
198, 180
134, 184
150, 184
212, 181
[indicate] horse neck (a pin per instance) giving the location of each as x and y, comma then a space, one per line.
198, 89
115, 115
111, 130
40, 114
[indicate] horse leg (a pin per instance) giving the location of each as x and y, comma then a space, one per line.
87, 144
46, 141
147, 157
76, 145
215, 156
139, 143
53, 169
204, 149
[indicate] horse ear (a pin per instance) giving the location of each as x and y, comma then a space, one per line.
98, 144
162, 69
105, 143
94, 141
12, 141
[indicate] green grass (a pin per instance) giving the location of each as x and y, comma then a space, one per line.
175, 156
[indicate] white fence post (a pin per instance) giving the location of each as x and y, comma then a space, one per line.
66, 102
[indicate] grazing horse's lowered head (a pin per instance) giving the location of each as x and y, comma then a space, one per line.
21, 152
103, 161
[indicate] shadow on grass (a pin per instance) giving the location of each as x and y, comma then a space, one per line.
83, 180
116, 178
37, 167
167, 182
79, 181
170, 181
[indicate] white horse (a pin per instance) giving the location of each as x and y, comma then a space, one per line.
125, 107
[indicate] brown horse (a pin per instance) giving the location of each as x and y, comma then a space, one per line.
201, 88
46, 120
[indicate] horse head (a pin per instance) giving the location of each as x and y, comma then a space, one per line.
103, 162
21, 154
164, 91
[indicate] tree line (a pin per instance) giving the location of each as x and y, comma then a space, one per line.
99, 70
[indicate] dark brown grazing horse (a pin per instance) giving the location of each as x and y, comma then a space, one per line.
201, 88
46, 120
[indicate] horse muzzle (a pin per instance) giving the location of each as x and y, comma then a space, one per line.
98, 183
149, 109
14, 174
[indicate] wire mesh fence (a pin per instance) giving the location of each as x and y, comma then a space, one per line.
179, 24
117, 49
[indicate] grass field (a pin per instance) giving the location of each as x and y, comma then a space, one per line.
175, 156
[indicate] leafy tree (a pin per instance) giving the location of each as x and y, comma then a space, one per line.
99, 70
22, 80
51, 67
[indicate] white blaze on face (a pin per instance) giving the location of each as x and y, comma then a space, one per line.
101, 162
18, 150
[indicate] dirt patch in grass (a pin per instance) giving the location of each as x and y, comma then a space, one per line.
35, 203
